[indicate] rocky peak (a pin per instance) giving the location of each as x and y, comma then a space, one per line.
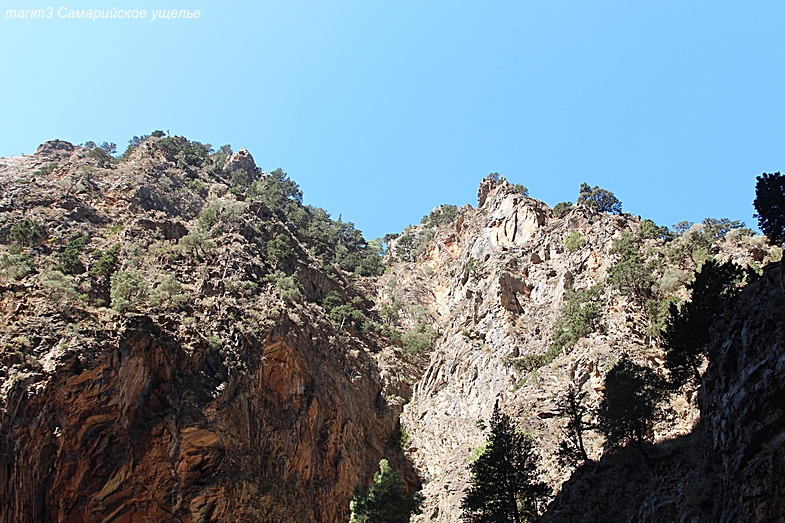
242, 160
55, 148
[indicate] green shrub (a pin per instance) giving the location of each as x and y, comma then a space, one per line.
574, 241
128, 290
69, 258
385, 500
561, 208
631, 275
521, 189
46, 169
195, 242
27, 232
419, 340
441, 215
650, 231
579, 316
168, 294
219, 211
289, 287
60, 286
184, 152
398, 439
600, 199
107, 263
280, 252
14, 266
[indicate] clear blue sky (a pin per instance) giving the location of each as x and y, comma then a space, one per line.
381, 110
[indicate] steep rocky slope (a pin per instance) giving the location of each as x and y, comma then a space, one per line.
215, 388
183, 340
496, 280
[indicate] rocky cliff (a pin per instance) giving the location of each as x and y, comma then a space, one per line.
496, 280
184, 340
219, 390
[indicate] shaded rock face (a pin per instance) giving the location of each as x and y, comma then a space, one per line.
133, 429
743, 402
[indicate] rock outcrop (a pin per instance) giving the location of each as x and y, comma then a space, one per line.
220, 399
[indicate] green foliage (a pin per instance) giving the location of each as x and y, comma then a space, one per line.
686, 335
386, 500
718, 228
521, 189
278, 191
600, 199
27, 232
441, 215
561, 208
69, 258
101, 155
280, 252
133, 144
631, 275
572, 406
420, 339
186, 153
343, 313
288, 287
398, 439
46, 169
682, 227
473, 266
219, 212
412, 243
333, 241
61, 287
14, 266
770, 206
630, 404
128, 290
168, 294
504, 485
476, 452
391, 312
107, 263
196, 242
650, 231
579, 316
574, 241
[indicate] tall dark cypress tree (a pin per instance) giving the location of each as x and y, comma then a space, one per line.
770, 206
504, 486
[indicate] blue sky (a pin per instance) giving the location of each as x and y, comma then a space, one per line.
381, 110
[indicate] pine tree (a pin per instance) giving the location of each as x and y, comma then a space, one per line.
686, 335
573, 407
770, 206
504, 485
386, 500
632, 393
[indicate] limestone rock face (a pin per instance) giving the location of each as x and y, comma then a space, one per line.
495, 281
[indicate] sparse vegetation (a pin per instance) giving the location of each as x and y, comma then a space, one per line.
574, 241
505, 483
69, 258
128, 290
561, 208
27, 232
386, 500
600, 199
